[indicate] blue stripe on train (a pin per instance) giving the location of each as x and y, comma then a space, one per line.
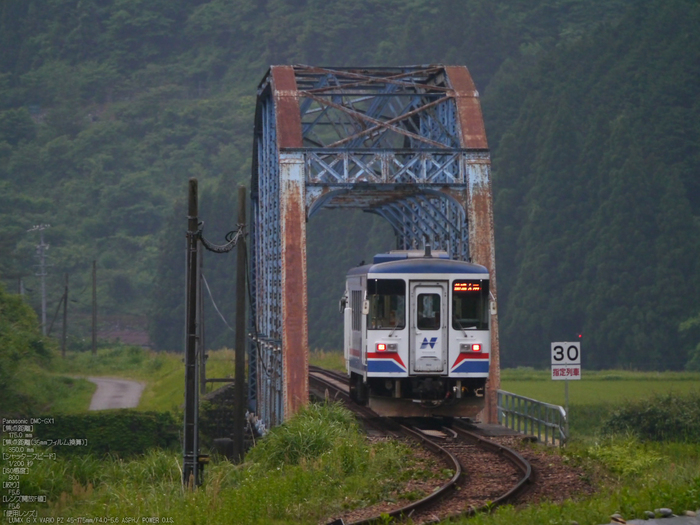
473, 367
383, 365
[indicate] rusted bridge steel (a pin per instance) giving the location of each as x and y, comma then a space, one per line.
406, 143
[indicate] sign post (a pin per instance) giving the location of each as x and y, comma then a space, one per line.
566, 364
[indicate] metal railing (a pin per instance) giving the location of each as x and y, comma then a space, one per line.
529, 416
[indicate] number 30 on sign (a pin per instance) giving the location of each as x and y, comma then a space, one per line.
566, 361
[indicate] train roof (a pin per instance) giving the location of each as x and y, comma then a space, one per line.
421, 265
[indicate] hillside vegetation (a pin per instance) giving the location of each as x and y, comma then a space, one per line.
108, 106
597, 199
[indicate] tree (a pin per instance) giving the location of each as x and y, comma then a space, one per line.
21, 342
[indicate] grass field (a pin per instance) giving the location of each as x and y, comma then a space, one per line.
598, 387
327, 360
594, 398
52, 393
637, 476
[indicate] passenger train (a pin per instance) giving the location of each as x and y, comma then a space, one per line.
417, 339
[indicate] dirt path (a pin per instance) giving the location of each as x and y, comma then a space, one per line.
115, 393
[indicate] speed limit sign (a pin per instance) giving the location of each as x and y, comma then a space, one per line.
566, 360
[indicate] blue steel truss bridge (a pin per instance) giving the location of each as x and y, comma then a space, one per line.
405, 143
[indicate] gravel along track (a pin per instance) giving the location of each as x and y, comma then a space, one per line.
487, 476
555, 480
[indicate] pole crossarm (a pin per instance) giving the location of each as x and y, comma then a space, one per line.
405, 143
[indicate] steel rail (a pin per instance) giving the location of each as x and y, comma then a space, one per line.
338, 376
450, 460
511, 455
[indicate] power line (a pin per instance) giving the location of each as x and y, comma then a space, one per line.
214, 304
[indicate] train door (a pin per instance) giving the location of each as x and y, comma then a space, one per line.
428, 339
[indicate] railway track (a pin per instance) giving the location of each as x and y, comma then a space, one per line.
486, 474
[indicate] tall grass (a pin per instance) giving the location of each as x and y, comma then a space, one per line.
41, 392
312, 468
328, 359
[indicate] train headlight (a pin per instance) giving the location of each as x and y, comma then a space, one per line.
467, 347
387, 347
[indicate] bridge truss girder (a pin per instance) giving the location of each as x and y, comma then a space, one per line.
407, 144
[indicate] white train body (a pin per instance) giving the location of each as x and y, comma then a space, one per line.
417, 340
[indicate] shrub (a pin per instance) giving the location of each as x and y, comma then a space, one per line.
315, 430
119, 432
626, 457
668, 417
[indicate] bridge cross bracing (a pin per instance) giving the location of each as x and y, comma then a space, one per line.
405, 143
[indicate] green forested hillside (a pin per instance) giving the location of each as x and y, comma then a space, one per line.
598, 195
108, 106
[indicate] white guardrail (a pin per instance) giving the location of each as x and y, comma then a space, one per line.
528, 416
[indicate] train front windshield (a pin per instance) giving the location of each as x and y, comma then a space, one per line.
470, 305
387, 304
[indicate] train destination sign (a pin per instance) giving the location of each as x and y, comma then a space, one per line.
466, 287
566, 361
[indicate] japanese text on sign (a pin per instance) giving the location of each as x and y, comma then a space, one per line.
571, 372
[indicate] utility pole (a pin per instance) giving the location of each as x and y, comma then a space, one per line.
94, 307
239, 384
193, 462
190, 470
41, 255
201, 350
65, 319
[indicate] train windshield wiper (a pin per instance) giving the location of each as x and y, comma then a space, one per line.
460, 326
396, 325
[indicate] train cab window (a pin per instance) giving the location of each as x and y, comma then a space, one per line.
470, 305
387, 304
428, 315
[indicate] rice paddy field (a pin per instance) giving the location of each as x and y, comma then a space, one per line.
594, 397
598, 387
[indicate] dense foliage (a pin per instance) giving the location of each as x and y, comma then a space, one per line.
597, 194
120, 433
21, 345
108, 106
669, 417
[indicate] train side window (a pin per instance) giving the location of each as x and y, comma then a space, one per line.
428, 306
387, 304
